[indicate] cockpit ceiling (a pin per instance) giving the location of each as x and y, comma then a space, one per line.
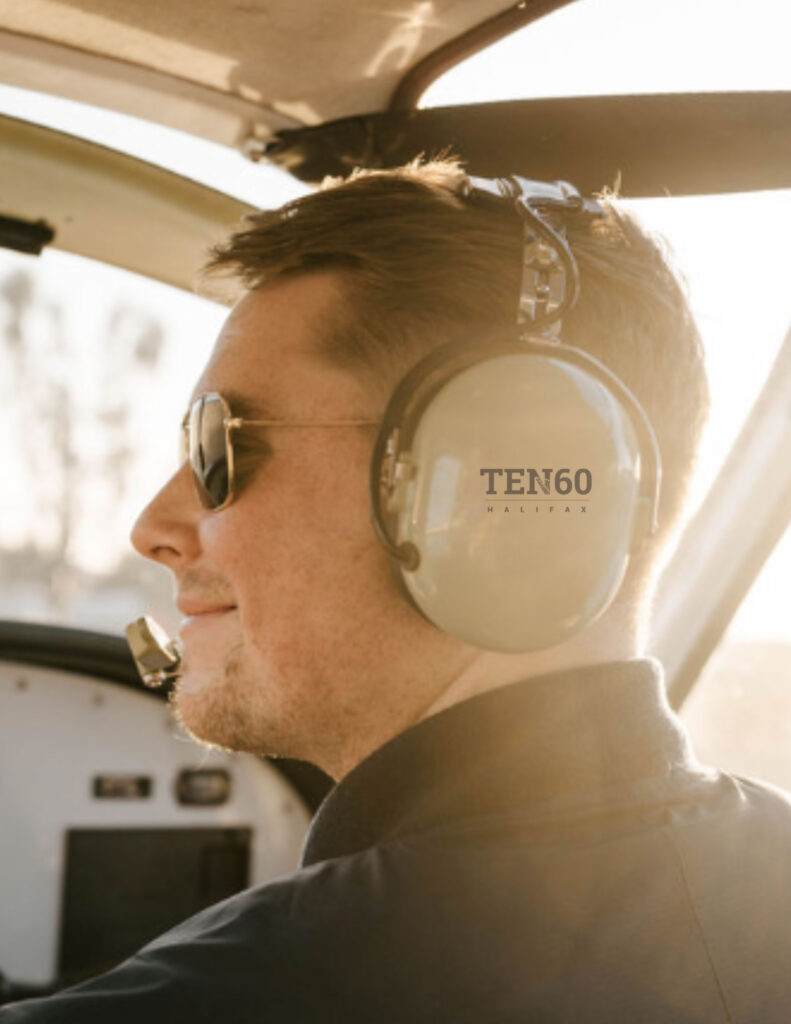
279, 64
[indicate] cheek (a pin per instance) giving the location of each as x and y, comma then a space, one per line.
322, 498
324, 551
302, 522
300, 554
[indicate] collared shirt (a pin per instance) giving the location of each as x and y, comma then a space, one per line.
547, 851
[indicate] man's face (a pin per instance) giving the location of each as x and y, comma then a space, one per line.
297, 641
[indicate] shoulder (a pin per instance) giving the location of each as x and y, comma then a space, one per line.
285, 911
266, 952
717, 818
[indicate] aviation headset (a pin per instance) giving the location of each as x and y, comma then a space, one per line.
513, 476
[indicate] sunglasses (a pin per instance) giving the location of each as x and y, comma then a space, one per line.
206, 443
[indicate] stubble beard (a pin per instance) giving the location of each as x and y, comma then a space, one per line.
220, 713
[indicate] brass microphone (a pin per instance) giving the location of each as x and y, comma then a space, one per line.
157, 657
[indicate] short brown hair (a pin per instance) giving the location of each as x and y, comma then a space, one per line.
422, 264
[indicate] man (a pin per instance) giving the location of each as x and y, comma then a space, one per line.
513, 837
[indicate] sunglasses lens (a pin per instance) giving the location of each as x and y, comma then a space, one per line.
207, 450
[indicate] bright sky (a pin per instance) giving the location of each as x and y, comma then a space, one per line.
673, 46
601, 47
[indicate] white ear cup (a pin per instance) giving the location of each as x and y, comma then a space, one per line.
513, 560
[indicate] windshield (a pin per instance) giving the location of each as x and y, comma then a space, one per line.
617, 47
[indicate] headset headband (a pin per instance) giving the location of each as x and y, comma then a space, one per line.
550, 279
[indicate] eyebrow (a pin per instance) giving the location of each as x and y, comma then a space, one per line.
257, 409
247, 408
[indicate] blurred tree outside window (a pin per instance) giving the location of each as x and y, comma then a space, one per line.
97, 367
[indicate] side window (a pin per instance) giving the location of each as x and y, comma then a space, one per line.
97, 367
738, 712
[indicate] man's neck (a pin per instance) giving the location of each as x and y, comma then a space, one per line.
489, 671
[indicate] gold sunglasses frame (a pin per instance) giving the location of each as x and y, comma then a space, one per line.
231, 422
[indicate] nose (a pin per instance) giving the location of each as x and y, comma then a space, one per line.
166, 531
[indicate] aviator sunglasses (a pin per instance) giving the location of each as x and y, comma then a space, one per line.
207, 445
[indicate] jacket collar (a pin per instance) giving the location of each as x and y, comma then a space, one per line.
558, 736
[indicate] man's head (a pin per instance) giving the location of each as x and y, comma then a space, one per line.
319, 655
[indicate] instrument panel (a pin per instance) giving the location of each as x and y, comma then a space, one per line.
115, 825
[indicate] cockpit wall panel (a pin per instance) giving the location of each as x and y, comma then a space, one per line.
103, 798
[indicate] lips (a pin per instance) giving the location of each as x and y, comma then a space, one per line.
202, 618
191, 608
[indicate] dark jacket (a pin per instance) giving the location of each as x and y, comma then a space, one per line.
548, 851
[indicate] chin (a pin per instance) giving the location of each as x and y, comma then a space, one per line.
217, 713
203, 708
